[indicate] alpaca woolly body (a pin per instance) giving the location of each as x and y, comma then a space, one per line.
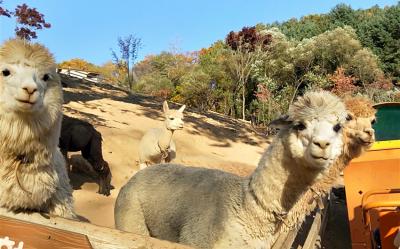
157, 145
208, 208
33, 176
154, 144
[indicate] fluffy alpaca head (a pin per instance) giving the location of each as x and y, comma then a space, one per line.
313, 129
29, 83
360, 107
361, 117
173, 118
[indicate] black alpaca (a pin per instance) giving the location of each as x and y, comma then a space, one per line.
79, 135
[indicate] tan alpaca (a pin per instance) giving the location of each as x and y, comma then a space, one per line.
33, 175
207, 208
157, 145
358, 137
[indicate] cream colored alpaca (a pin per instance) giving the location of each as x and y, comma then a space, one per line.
157, 145
207, 208
358, 136
33, 175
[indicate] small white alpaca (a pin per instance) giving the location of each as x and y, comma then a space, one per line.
157, 145
33, 174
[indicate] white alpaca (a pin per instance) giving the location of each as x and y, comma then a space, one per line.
157, 145
207, 208
358, 136
33, 175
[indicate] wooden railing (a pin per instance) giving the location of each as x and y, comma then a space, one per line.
99, 237
108, 238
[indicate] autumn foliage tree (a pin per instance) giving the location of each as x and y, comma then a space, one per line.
79, 64
28, 20
343, 84
247, 46
248, 39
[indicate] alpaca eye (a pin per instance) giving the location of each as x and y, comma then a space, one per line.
373, 121
349, 117
6, 72
171, 119
299, 127
46, 77
337, 127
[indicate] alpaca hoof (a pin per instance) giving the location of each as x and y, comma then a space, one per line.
105, 189
104, 192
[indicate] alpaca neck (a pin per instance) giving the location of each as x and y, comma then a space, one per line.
28, 137
279, 180
165, 138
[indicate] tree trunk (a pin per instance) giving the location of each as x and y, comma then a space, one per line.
243, 102
129, 81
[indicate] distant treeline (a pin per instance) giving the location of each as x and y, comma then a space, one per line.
256, 72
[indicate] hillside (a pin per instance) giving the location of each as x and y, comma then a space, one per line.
210, 140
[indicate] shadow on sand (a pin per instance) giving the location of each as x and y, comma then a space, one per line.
82, 91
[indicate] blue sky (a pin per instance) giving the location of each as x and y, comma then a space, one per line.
88, 29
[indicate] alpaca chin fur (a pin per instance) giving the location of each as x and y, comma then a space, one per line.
33, 175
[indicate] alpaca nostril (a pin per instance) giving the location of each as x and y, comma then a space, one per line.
369, 132
30, 89
317, 144
321, 144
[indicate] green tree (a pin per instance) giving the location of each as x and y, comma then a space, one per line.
214, 62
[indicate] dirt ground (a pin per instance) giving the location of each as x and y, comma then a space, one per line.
210, 140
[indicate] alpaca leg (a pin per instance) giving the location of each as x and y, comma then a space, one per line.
170, 157
171, 152
105, 182
61, 203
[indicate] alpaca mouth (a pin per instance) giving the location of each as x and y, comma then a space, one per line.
369, 142
27, 102
320, 157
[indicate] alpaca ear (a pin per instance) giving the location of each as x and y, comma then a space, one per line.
281, 122
182, 108
165, 106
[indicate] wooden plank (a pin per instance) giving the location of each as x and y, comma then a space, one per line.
280, 241
285, 240
313, 233
36, 236
99, 237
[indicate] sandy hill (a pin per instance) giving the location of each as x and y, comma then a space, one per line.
210, 140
